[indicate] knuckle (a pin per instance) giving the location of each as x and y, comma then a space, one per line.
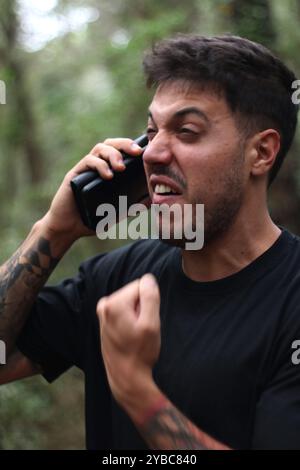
102, 306
86, 158
98, 147
148, 329
109, 305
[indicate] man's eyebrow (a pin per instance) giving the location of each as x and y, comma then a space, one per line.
188, 110
191, 110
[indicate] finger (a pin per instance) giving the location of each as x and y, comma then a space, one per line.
122, 301
125, 298
149, 297
109, 154
90, 162
125, 145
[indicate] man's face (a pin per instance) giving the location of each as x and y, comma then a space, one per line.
196, 149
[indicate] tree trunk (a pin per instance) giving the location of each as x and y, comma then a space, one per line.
252, 19
18, 93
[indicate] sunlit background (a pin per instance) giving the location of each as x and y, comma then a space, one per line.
73, 77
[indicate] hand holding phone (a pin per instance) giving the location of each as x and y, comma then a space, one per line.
90, 189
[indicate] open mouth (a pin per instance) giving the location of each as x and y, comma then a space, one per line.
163, 185
164, 189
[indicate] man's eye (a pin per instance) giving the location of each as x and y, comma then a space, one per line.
186, 130
150, 132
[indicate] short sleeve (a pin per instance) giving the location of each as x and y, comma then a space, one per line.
55, 333
277, 420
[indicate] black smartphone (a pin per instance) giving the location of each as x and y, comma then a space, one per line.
90, 189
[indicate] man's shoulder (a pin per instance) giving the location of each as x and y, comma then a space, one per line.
286, 289
291, 254
291, 237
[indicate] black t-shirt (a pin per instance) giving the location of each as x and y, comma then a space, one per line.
226, 350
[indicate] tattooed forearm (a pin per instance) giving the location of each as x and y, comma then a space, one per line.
21, 278
168, 429
39, 262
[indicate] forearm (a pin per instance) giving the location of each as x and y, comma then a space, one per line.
24, 274
163, 426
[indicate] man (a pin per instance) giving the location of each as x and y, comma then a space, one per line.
210, 366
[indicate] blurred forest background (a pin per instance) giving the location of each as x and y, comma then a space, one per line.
73, 77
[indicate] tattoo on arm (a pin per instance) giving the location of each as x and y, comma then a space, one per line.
168, 429
21, 278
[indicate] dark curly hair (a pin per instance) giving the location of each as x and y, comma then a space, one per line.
255, 83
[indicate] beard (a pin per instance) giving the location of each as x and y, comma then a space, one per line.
219, 214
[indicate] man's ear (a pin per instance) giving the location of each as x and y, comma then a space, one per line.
264, 149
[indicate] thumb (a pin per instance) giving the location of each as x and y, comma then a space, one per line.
149, 299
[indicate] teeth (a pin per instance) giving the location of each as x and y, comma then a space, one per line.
163, 188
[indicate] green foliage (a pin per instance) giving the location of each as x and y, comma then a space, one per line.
36, 416
17, 416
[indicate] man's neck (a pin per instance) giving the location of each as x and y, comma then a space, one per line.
231, 252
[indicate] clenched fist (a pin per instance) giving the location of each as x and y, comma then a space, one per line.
130, 336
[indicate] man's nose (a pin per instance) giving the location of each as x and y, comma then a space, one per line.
158, 150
